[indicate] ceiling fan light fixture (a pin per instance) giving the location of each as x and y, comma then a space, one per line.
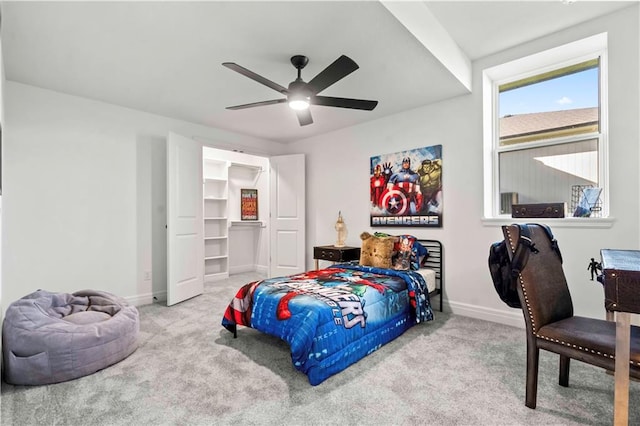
298, 102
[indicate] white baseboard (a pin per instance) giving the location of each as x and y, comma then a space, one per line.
144, 299
215, 277
238, 269
160, 296
513, 317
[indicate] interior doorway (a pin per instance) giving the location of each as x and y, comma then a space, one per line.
235, 241
269, 238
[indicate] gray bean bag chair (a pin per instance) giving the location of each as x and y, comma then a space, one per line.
54, 337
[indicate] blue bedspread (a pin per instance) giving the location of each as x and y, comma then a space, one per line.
332, 317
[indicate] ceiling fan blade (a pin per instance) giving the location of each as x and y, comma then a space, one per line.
340, 68
253, 76
304, 117
257, 104
343, 102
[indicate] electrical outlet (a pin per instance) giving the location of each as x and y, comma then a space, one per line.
147, 275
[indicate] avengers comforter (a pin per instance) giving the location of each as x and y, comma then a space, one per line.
332, 317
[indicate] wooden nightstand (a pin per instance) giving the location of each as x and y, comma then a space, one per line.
335, 254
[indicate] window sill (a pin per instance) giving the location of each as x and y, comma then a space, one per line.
565, 222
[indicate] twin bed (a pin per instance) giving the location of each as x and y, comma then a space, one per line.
333, 317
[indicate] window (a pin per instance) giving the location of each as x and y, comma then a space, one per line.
545, 129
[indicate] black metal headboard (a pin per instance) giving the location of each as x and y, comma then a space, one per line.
435, 261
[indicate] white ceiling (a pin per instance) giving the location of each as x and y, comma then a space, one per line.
165, 57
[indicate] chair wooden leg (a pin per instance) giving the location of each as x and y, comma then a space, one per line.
533, 354
564, 371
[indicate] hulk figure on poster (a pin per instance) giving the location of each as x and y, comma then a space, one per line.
406, 188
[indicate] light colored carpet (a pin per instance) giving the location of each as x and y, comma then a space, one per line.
188, 370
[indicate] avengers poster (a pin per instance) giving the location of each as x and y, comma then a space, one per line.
406, 188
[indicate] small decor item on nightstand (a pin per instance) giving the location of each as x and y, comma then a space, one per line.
341, 228
248, 204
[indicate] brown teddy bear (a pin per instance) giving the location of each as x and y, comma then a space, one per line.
376, 251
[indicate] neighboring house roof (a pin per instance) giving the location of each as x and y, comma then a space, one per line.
520, 125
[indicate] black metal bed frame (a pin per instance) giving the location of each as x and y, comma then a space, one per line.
435, 261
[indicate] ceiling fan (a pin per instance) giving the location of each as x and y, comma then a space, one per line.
301, 94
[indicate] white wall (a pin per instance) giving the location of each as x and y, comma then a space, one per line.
338, 172
2, 83
85, 193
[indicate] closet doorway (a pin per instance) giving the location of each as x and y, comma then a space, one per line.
219, 242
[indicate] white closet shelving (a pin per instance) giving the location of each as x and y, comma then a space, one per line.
232, 245
216, 238
255, 168
259, 223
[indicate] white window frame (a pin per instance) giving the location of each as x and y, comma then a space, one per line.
539, 63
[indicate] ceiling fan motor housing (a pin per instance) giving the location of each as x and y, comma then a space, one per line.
299, 61
299, 87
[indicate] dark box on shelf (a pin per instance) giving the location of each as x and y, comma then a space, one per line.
539, 210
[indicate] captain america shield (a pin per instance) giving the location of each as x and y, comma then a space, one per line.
395, 202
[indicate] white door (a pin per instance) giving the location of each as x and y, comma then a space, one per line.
287, 217
185, 233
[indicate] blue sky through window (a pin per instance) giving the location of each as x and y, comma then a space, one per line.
578, 90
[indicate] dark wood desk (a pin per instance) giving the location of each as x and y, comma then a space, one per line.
621, 270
